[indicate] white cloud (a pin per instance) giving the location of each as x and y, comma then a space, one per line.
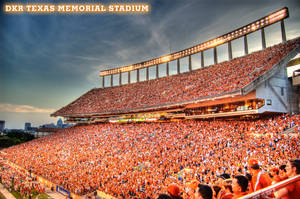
88, 58
23, 109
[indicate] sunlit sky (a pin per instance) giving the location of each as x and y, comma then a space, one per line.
49, 60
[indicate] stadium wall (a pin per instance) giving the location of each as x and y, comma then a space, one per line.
293, 98
278, 93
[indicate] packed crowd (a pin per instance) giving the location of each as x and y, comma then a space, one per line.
241, 185
217, 79
140, 160
15, 179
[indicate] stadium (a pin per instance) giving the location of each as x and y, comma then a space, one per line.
142, 139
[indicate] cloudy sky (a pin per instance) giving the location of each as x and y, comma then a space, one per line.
49, 60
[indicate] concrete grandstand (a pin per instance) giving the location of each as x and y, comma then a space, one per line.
250, 85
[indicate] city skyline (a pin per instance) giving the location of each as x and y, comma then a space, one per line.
55, 124
48, 61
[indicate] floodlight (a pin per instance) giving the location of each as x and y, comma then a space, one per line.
240, 32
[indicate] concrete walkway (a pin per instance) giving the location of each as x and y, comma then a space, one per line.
6, 193
53, 195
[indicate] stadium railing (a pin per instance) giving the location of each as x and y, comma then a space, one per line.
271, 189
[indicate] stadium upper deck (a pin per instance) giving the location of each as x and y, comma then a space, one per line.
181, 91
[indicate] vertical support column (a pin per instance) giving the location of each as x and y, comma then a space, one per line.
156, 71
263, 38
120, 79
283, 35
178, 66
246, 45
202, 59
147, 73
190, 63
167, 69
215, 55
137, 75
229, 51
129, 77
111, 80
103, 79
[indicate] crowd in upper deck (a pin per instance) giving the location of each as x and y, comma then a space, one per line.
217, 79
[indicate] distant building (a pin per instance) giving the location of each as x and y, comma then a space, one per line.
32, 129
15, 130
59, 123
2, 125
48, 125
45, 131
27, 126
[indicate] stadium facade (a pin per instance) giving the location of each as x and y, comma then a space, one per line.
247, 86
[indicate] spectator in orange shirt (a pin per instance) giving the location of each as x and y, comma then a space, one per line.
275, 175
259, 179
282, 172
226, 192
239, 186
292, 191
